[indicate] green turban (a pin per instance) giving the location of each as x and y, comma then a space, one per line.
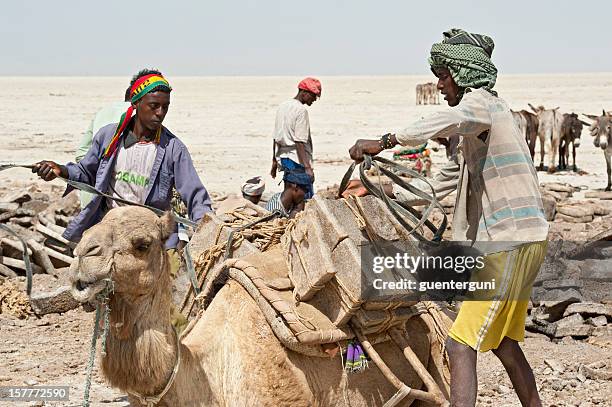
468, 58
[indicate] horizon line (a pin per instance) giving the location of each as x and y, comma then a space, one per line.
288, 75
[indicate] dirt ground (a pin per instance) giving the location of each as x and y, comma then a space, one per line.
54, 350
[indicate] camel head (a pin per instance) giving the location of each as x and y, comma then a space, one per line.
127, 248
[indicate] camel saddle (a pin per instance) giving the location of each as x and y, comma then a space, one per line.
308, 286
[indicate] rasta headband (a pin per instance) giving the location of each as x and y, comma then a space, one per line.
141, 87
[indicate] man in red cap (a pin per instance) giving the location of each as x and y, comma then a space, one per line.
292, 146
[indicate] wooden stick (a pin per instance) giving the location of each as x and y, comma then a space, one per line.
400, 340
14, 244
19, 264
58, 256
51, 233
7, 272
50, 223
41, 256
389, 375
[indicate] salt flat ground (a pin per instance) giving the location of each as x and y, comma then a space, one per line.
227, 122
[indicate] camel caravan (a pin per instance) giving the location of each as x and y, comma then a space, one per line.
279, 314
427, 94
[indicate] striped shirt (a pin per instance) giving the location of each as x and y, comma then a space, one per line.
498, 195
275, 204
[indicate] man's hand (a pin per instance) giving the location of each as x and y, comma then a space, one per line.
362, 147
49, 170
274, 168
310, 173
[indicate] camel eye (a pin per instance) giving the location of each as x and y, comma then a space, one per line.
141, 244
142, 247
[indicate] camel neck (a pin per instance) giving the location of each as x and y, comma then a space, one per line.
141, 348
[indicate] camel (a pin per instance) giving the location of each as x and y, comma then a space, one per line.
601, 130
230, 356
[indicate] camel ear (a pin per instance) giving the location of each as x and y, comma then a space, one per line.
167, 225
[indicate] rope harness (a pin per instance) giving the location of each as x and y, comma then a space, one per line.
259, 230
406, 215
102, 307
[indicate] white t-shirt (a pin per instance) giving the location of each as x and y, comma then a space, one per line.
292, 125
132, 171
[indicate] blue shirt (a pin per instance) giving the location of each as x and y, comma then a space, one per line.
172, 167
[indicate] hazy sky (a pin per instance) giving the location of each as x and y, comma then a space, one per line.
284, 37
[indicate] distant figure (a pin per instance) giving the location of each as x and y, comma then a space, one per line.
291, 200
253, 188
107, 115
292, 145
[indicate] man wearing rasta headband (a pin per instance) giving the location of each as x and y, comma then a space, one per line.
498, 200
137, 159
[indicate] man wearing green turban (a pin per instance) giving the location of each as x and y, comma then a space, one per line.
498, 201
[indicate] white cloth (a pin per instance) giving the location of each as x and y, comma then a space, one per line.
132, 170
292, 125
498, 194
254, 186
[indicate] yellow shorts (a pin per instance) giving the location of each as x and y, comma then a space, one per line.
482, 325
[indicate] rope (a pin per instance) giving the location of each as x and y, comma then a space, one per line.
263, 232
102, 303
88, 188
151, 401
406, 215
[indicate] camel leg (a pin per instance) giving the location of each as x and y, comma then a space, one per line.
562, 147
574, 157
609, 186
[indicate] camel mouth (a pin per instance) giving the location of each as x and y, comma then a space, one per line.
87, 291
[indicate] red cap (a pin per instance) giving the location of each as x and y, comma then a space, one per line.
311, 84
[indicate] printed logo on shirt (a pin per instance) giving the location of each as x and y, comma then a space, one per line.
131, 178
